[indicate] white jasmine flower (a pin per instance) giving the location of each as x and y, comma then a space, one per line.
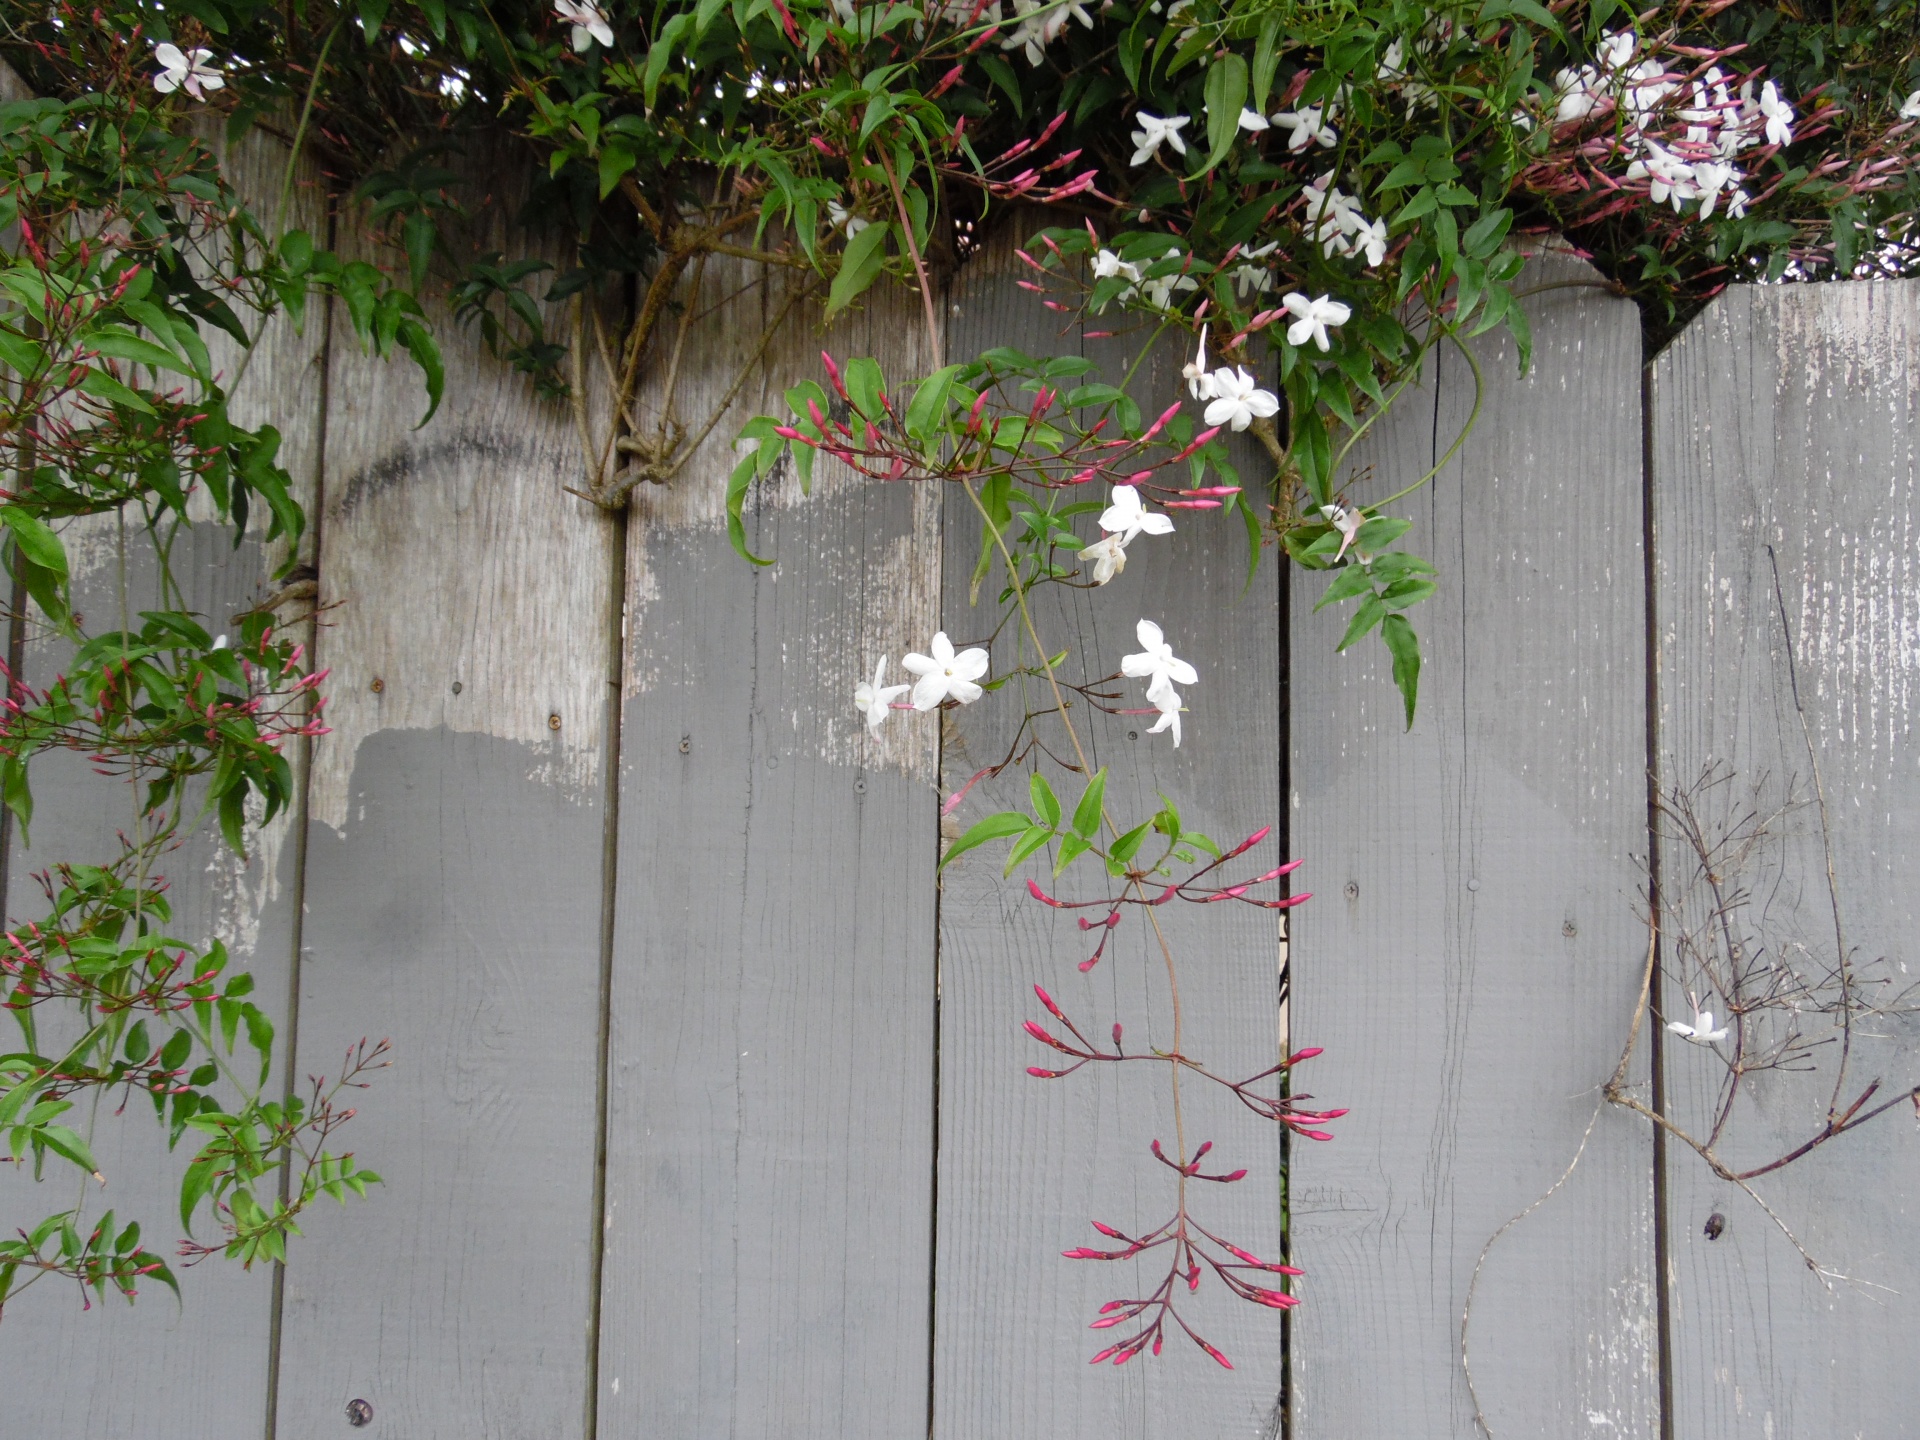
1252, 121
845, 218
1157, 664
1579, 93
945, 675
1368, 238
1108, 556
220, 642
1711, 178
1670, 177
1312, 317
1155, 132
588, 23
1779, 115
1168, 704
1391, 62
1194, 372
1910, 107
1647, 90
1238, 398
1331, 216
1347, 520
1701, 1031
1107, 264
187, 71
1737, 204
1126, 517
1159, 291
1305, 126
1250, 279
874, 699
1040, 27
1616, 49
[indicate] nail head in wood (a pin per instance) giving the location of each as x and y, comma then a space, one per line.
359, 1413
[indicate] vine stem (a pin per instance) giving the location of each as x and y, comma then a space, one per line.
925, 286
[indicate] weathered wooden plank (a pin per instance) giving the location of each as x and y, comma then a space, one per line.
454, 885
118, 1369
1786, 443
1025, 1164
770, 1127
1472, 960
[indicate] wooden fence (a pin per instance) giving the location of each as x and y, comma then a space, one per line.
709, 1115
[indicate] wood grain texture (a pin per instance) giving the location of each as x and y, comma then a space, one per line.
1786, 425
454, 887
1025, 1164
120, 1367
1472, 959
770, 1126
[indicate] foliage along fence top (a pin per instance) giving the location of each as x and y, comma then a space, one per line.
718, 1104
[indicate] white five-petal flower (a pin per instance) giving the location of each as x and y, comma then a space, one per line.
1701, 1031
1126, 517
1238, 398
1157, 664
945, 675
185, 70
1107, 264
1253, 122
1155, 132
874, 699
588, 23
845, 218
1108, 555
1312, 317
1347, 519
1306, 126
1194, 372
1168, 704
1779, 115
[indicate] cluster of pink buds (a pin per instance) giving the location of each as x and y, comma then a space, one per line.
1190, 889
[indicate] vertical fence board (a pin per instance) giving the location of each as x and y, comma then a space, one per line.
454, 886
1786, 440
770, 1117
112, 1370
1473, 955
1025, 1164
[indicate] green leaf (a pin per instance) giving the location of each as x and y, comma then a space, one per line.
1348, 581
1046, 805
36, 541
1483, 237
1128, 845
103, 386
1371, 612
994, 827
1086, 815
1226, 95
1026, 845
1072, 847
737, 486
62, 1141
125, 345
1266, 58
1404, 646
865, 254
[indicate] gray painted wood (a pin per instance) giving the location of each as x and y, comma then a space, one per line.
118, 1366
770, 1124
1025, 1164
1788, 418
1472, 957
453, 887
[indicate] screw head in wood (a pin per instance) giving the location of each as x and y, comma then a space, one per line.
1715, 1227
378, 685
1568, 930
457, 687
359, 1413
553, 722
686, 744
1353, 890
